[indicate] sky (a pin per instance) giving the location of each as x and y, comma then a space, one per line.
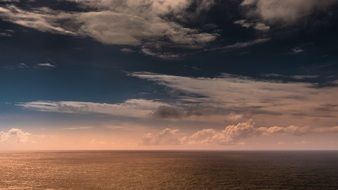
168, 74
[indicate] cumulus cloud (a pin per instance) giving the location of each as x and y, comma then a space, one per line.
286, 11
165, 137
230, 135
138, 108
14, 134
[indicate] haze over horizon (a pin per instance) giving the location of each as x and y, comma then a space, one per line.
168, 75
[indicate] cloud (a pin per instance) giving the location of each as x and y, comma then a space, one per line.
127, 50
236, 93
262, 27
196, 112
6, 33
285, 11
257, 26
297, 50
234, 117
14, 134
41, 19
290, 77
234, 134
240, 45
156, 52
138, 108
143, 23
23, 66
46, 65
132, 22
169, 112
244, 23
230, 135
78, 128
165, 137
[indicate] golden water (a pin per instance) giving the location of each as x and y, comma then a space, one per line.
169, 170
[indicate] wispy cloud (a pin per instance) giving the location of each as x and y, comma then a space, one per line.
6, 33
131, 108
238, 93
42, 19
240, 45
45, 65
297, 50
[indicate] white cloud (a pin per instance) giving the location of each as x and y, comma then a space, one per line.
230, 135
261, 27
43, 19
244, 23
239, 45
293, 130
131, 108
234, 117
165, 137
17, 135
285, 11
46, 65
157, 53
127, 50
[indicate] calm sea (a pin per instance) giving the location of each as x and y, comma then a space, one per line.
169, 170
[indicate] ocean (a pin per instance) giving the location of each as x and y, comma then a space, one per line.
169, 170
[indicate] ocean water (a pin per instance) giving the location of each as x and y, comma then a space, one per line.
169, 170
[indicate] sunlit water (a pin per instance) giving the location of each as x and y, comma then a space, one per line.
169, 170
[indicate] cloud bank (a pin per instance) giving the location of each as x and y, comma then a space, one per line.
230, 135
17, 135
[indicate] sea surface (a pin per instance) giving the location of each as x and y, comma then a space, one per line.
169, 170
